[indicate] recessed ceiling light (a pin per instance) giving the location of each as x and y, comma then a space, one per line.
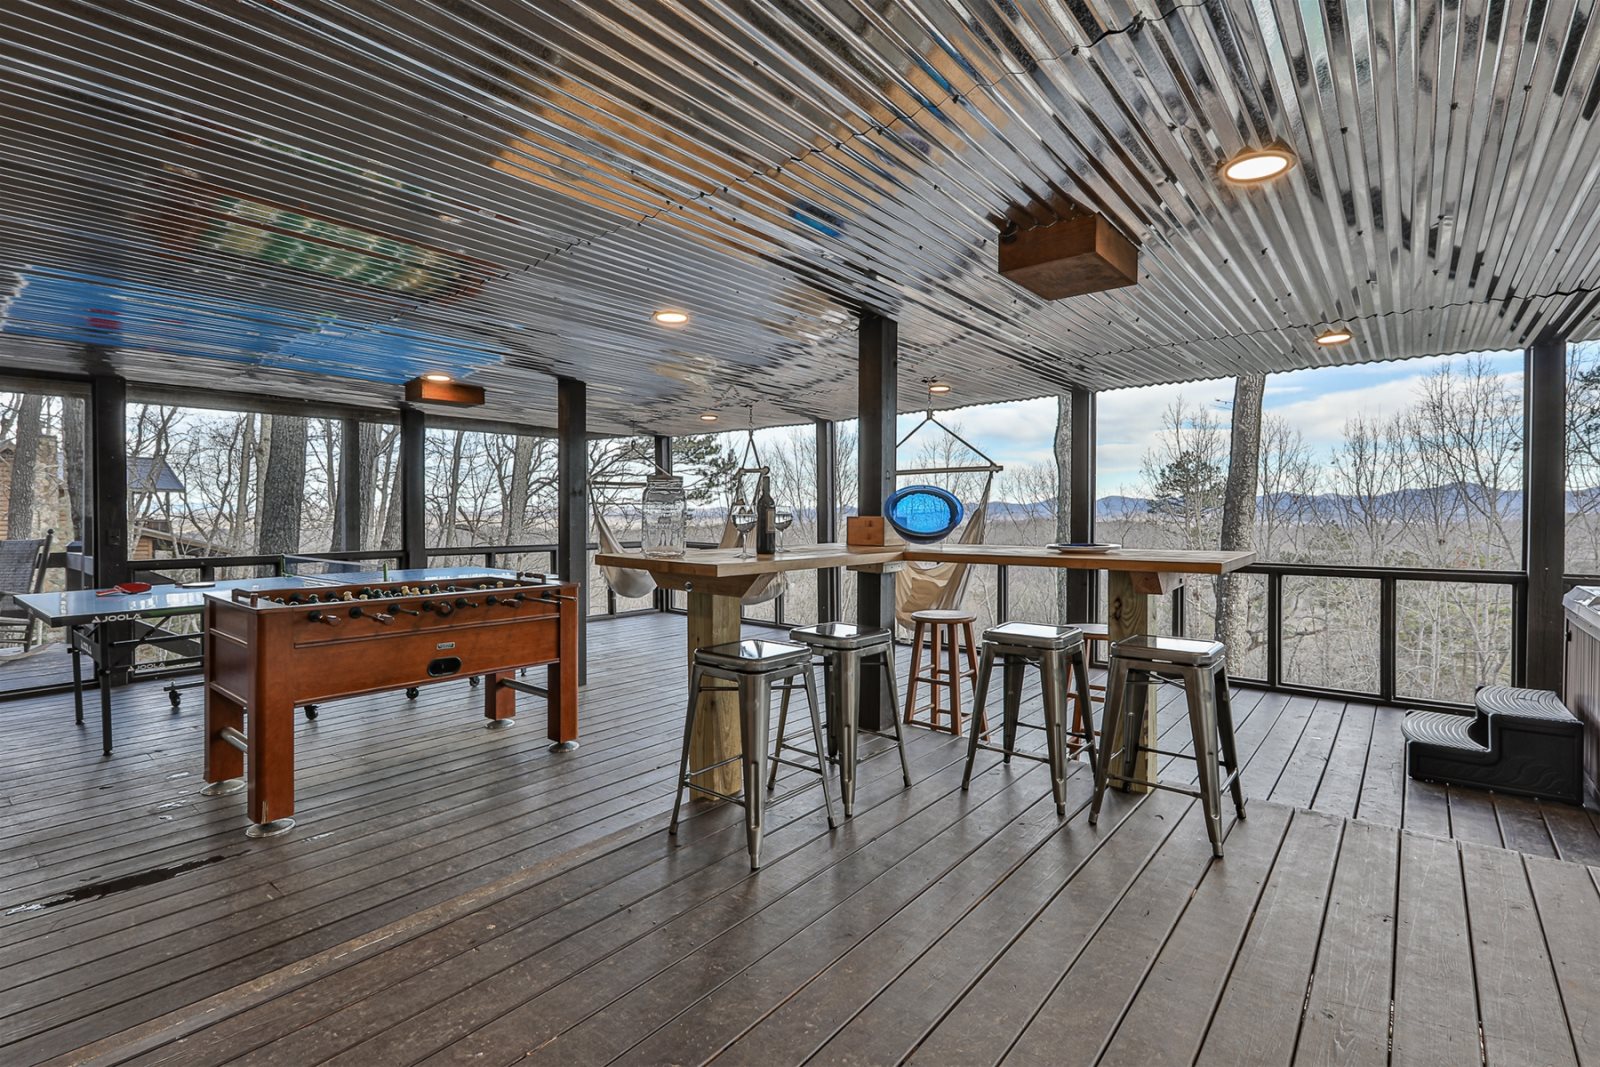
668, 317
1257, 165
436, 376
1338, 335
708, 417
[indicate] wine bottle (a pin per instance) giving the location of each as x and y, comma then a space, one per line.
766, 519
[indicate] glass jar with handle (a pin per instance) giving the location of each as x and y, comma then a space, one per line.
665, 528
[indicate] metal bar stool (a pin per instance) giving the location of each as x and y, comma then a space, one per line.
754, 667
1200, 667
845, 649
934, 626
1056, 651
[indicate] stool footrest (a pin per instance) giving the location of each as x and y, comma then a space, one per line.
694, 772
731, 799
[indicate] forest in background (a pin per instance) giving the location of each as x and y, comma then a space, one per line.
1436, 484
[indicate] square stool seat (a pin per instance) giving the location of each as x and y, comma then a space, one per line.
841, 636
1032, 635
1180, 651
752, 656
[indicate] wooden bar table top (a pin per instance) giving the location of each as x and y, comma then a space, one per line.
716, 578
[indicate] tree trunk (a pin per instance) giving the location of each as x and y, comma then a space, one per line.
283, 486
72, 450
514, 519
24, 467
1063, 451
1239, 503
241, 507
453, 492
392, 516
367, 440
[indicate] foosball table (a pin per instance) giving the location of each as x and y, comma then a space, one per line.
270, 651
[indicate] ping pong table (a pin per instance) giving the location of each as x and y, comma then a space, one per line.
94, 620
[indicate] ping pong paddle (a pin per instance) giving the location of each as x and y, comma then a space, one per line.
125, 587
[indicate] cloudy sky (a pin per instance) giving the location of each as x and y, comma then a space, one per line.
1316, 401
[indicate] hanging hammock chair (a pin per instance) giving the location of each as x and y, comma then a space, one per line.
634, 584
626, 583
943, 586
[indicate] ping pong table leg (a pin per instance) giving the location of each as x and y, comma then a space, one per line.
74, 639
103, 671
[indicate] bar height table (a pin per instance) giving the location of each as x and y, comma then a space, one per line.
716, 578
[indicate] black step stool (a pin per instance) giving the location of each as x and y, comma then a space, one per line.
1520, 741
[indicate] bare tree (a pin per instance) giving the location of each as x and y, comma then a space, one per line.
24, 466
283, 486
1239, 501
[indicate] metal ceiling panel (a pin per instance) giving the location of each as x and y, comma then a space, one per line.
307, 195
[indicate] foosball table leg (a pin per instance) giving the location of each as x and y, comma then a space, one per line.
270, 759
499, 701
224, 767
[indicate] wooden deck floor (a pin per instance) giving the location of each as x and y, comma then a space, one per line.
460, 895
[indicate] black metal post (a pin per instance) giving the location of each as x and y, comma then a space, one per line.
1388, 638
1274, 629
1544, 475
347, 529
877, 384
572, 502
108, 479
108, 473
830, 592
661, 599
1080, 584
413, 488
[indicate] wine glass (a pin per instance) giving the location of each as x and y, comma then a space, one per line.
782, 519
743, 517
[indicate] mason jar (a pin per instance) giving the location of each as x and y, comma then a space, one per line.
666, 517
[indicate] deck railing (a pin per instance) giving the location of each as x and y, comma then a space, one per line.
1390, 583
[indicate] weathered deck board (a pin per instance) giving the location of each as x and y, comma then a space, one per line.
1347, 1012
1524, 1020
459, 895
1436, 1013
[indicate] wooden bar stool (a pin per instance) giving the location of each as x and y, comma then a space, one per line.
1096, 635
946, 628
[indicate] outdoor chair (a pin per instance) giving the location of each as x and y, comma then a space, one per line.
22, 566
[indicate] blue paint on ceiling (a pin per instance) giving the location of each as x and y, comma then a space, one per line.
89, 310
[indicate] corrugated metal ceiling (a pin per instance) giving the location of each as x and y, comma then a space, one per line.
286, 197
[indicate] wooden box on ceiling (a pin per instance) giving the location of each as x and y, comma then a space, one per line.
1070, 257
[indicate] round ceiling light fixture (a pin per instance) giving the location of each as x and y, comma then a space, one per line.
436, 376
708, 417
939, 388
1336, 335
669, 317
1258, 165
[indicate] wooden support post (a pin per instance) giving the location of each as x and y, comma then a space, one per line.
108, 463
413, 488
714, 620
1544, 509
1128, 612
878, 368
572, 501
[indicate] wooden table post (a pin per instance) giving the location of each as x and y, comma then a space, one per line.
714, 620
1128, 614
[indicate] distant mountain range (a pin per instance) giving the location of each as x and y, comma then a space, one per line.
1452, 501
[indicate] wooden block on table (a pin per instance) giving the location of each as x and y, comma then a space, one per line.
870, 530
